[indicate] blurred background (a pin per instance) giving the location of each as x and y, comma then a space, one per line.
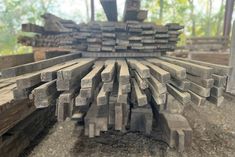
200, 17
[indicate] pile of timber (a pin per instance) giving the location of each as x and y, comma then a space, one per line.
121, 94
132, 11
129, 36
207, 43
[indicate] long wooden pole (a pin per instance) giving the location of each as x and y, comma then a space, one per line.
228, 17
231, 79
92, 10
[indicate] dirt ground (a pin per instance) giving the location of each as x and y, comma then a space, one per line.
213, 136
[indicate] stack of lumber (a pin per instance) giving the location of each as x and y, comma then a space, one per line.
207, 43
121, 94
132, 11
131, 36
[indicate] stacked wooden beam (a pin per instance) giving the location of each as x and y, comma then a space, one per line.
207, 43
120, 94
132, 11
131, 36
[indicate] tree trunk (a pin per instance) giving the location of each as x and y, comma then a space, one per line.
161, 9
191, 2
209, 9
87, 11
219, 24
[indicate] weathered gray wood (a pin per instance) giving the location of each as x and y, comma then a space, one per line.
159, 99
231, 79
139, 95
206, 83
218, 101
108, 86
126, 88
122, 98
102, 97
45, 95
217, 91
66, 104
29, 81
118, 116
90, 78
108, 73
141, 82
110, 9
171, 125
176, 71
142, 70
194, 69
82, 101
124, 74
217, 69
31, 67
197, 99
205, 92
159, 87
219, 81
86, 92
160, 74
51, 73
71, 76
141, 120
183, 85
182, 97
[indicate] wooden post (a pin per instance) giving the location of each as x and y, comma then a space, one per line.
228, 17
92, 10
231, 79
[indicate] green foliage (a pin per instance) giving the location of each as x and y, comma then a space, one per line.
207, 20
12, 14
201, 17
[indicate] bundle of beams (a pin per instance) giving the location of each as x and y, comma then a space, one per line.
131, 36
132, 11
121, 94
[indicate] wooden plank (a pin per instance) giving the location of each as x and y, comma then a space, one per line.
218, 101
89, 80
217, 69
102, 97
110, 9
182, 97
51, 73
45, 95
204, 92
35, 66
118, 116
124, 74
122, 98
160, 74
17, 112
182, 85
219, 81
17, 139
159, 99
217, 91
197, 99
141, 82
194, 69
139, 95
160, 88
141, 120
142, 70
108, 73
176, 71
206, 83
71, 76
